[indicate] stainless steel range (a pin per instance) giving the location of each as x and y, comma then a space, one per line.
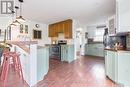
55, 50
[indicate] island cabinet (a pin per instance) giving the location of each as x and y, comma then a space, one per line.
61, 27
42, 62
34, 60
117, 66
110, 64
124, 68
67, 53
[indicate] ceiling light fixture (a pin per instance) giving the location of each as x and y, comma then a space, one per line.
20, 18
15, 22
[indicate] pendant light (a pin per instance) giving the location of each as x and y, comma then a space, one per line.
16, 22
20, 18
12, 19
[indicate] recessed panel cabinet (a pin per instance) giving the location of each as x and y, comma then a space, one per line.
117, 67
68, 29
61, 27
53, 31
110, 64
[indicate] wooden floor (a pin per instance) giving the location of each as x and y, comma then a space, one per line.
84, 72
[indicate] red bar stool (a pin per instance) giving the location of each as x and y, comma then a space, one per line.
6, 65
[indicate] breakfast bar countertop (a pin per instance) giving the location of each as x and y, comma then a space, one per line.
116, 50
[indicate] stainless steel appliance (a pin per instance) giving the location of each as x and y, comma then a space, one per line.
55, 51
62, 42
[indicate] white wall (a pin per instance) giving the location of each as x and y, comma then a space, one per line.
95, 33
91, 31
5, 21
45, 39
77, 25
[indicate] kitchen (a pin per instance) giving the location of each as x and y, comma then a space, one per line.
66, 44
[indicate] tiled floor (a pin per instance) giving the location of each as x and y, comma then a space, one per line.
84, 72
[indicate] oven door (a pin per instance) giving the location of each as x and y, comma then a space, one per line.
55, 52
55, 49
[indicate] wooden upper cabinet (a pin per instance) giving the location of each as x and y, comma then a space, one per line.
68, 29
50, 31
53, 30
61, 27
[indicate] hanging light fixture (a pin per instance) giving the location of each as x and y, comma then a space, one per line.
15, 22
20, 18
12, 19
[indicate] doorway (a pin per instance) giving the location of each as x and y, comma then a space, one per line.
79, 41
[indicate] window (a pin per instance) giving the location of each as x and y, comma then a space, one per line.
37, 34
99, 35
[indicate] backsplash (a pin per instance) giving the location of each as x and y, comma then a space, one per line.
128, 41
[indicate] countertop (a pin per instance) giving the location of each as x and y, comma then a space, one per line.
21, 42
116, 50
95, 42
57, 44
41, 47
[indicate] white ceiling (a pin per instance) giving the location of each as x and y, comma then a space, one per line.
86, 11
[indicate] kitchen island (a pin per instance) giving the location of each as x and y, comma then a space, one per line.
42, 62
34, 60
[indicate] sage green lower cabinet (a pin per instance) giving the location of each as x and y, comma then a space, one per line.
42, 62
94, 49
124, 68
67, 53
117, 67
110, 64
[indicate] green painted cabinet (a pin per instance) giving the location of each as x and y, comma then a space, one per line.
110, 64
67, 53
117, 67
124, 68
94, 50
42, 62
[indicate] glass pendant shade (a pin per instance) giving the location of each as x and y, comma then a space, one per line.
13, 24
16, 22
20, 19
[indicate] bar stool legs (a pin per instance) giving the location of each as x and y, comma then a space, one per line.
18, 67
6, 66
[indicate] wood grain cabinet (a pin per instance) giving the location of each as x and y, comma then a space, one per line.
61, 27
68, 29
53, 30
50, 31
